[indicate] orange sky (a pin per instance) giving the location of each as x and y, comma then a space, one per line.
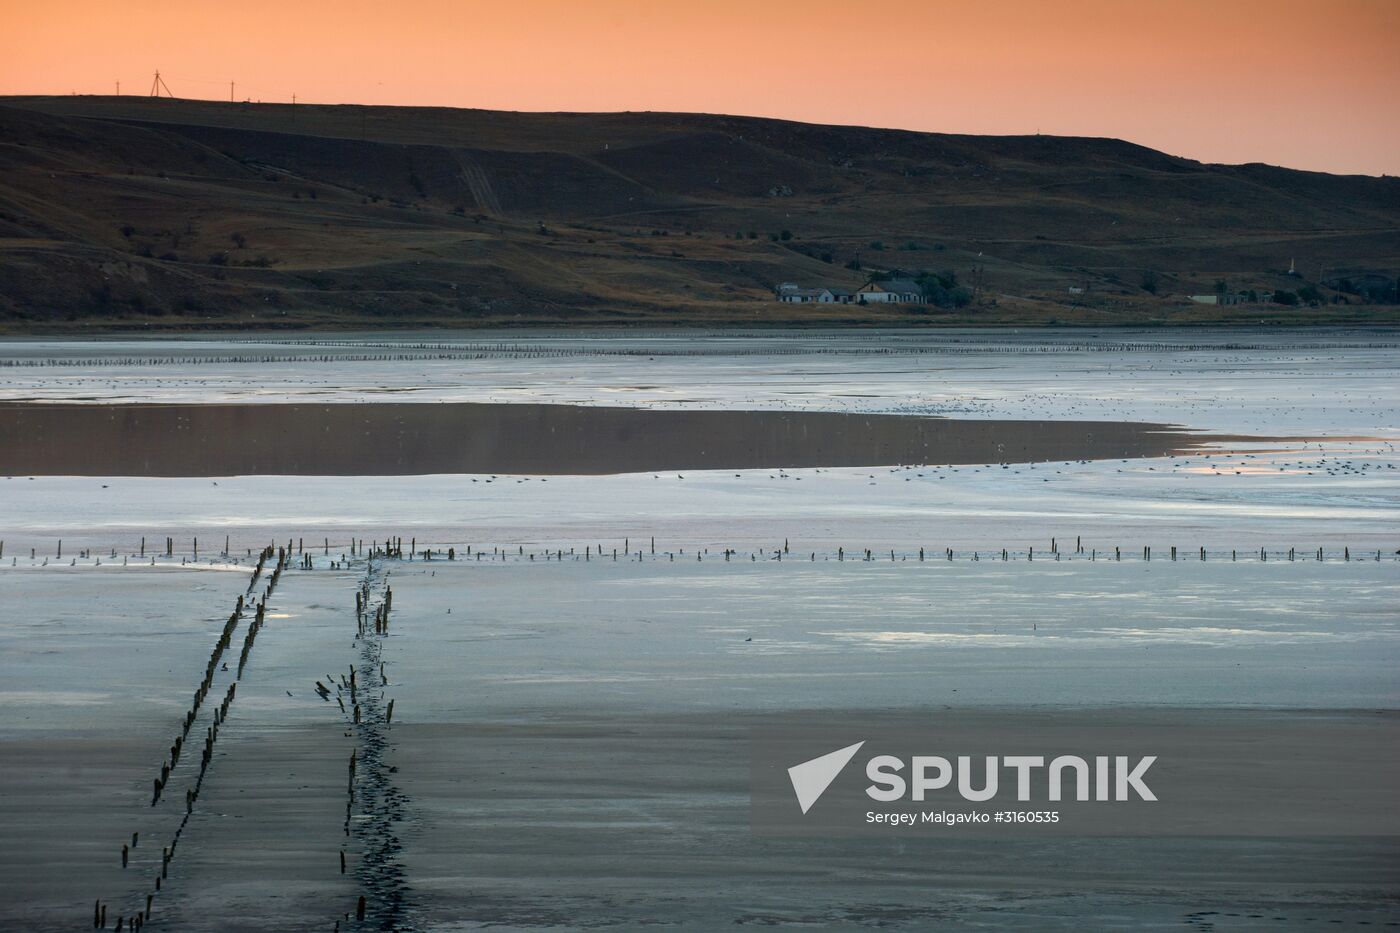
1302, 83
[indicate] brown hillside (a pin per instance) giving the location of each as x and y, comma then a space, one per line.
138, 211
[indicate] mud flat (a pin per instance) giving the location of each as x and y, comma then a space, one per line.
582, 821
575, 739
96, 672
391, 439
97, 669
571, 739
588, 764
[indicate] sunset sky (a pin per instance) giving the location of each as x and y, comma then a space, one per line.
1293, 82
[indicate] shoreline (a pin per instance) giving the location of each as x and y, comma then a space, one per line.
1378, 317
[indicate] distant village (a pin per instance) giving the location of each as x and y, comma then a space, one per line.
943, 291
890, 291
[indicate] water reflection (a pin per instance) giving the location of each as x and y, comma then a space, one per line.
392, 439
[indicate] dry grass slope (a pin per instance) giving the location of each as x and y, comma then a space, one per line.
138, 213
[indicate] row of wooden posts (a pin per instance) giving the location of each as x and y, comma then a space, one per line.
136, 920
381, 611
394, 548
368, 612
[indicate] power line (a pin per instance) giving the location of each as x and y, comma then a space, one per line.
218, 82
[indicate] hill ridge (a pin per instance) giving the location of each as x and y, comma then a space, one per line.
158, 212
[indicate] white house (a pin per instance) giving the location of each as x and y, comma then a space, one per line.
795, 294
905, 291
805, 295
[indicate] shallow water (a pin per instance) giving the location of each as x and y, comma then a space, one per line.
1225, 382
571, 739
571, 735
1307, 381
